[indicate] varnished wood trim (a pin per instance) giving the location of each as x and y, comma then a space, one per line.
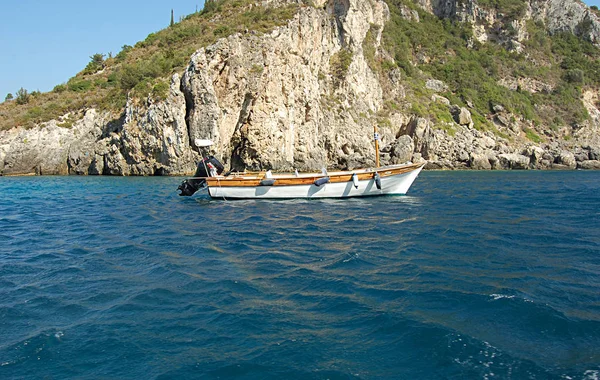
307, 179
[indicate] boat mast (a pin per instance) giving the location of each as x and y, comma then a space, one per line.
376, 137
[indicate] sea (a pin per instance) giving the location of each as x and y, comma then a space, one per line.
472, 275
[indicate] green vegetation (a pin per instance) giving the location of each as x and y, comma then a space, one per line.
531, 135
446, 50
145, 69
512, 9
96, 64
9, 96
257, 69
59, 88
340, 63
22, 96
369, 47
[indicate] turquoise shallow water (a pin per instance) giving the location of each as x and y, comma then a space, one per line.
472, 275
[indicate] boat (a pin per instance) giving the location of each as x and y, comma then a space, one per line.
384, 180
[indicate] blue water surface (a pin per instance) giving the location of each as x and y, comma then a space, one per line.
473, 275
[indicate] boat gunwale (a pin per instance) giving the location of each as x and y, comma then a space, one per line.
308, 179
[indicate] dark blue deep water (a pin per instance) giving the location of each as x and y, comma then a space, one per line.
473, 275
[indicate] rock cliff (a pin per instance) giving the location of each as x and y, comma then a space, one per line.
151, 139
276, 102
306, 96
509, 23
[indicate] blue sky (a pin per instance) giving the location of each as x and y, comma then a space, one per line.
44, 43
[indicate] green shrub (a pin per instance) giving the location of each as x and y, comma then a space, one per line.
439, 112
115, 99
513, 9
59, 88
22, 96
159, 65
340, 63
531, 135
257, 69
575, 76
419, 109
123, 53
150, 39
96, 63
221, 31
34, 113
368, 46
211, 6
161, 90
78, 85
66, 124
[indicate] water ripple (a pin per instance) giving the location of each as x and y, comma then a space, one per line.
474, 275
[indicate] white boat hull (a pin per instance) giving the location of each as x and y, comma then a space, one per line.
397, 184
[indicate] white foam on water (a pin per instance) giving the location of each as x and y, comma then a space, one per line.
500, 296
592, 374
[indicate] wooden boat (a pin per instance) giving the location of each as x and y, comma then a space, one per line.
395, 179
386, 180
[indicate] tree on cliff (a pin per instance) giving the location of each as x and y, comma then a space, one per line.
96, 64
9, 96
22, 96
172, 21
209, 6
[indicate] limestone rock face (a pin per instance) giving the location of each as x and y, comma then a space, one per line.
589, 164
461, 115
400, 151
557, 15
480, 161
153, 139
526, 84
276, 102
514, 161
573, 16
148, 139
436, 85
567, 159
45, 149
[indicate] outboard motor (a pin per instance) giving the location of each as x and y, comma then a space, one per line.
205, 167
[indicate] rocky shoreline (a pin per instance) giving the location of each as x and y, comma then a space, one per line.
90, 147
470, 149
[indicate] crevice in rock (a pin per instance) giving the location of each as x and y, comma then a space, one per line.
245, 111
105, 169
223, 68
189, 105
239, 139
113, 126
338, 9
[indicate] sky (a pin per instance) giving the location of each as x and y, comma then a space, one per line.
44, 43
